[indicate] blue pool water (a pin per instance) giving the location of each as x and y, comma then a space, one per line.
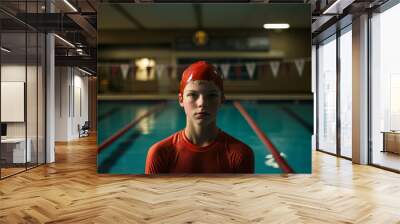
286, 124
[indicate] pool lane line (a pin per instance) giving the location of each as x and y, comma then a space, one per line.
264, 139
122, 148
123, 130
299, 119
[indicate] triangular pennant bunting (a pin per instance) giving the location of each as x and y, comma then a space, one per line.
299, 66
251, 67
225, 70
275, 67
160, 70
124, 70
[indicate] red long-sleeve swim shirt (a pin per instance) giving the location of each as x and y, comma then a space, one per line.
176, 154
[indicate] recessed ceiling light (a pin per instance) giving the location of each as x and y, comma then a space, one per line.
5, 49
276, 26
84, 71
64, 40
335, 8
70, 5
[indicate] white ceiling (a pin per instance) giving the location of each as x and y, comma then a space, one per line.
214, 16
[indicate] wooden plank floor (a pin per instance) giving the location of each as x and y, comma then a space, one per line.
70, 191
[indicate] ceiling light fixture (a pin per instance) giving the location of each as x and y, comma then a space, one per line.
86, 72
276, 26
70, 5
337, 7
64, 40
5, 49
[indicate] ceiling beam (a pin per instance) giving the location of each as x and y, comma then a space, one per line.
86, 26
83, 61
168, 36
198, 13
129, 16
91, 5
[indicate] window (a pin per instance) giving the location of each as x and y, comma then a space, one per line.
345, 92
327, 95
385, 88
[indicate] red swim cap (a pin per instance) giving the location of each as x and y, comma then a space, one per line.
201, 70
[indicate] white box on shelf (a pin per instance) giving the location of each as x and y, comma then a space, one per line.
18, 154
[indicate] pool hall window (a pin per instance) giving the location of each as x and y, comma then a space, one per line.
145, 69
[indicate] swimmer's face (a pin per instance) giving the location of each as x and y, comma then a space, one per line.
201, 100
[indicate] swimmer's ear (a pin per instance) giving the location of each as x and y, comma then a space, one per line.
222, 97
180, 99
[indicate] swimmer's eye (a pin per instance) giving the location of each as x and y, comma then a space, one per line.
213, 95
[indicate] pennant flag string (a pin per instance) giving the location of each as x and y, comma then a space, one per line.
275, 68
299, 66
125, 70
250, 67
258, 63
225, 70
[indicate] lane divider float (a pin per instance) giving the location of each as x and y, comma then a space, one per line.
123, 130
264, 139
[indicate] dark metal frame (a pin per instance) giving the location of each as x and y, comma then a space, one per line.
0, 90
45, 90
316, 97
26, 88
37, 91
369, 90
37, 96
338, 98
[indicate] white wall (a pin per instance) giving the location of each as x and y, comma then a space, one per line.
62, 80
33, 126
81, 104
12, 73
71, 94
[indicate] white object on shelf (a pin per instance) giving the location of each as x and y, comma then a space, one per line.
12, 101
19, 149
